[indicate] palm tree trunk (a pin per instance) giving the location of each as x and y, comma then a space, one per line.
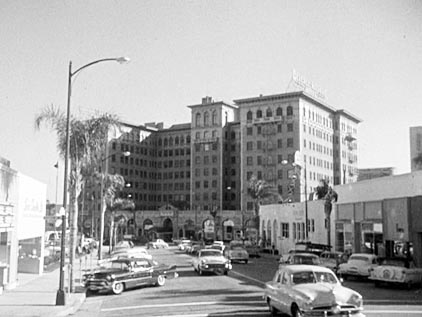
101, 224
73, 241
111, 231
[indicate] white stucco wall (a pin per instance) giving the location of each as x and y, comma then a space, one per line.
396, 186
295, 213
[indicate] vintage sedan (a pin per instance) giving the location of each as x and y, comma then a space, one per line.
211, 260
237, 254
300, 258
358, 265
310, 290
398, 270
121, 274
135, 252
157, 244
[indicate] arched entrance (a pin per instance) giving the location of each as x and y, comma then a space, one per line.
228, 230
189, 227
149, 232
166, 232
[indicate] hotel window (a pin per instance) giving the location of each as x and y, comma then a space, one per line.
214, 117
269, 112
259, 160
258, 145
290, 127
258, 130
279, 112
290, 142
285, 230
249, 116
249, 160
249, 131
289, 111
279, 128
249, 146
259, 114
279, 143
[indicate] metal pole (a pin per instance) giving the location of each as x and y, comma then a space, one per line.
306, 204
60, 296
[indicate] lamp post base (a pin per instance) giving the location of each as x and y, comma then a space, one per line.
60, 298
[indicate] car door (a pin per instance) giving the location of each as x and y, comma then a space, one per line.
142, 272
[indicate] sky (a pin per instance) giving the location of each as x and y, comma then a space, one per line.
365, 55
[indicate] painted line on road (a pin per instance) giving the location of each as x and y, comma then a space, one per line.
398, 312
184, 304
254, 313
248, 278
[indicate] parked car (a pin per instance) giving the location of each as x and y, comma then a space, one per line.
157, 244
396, 270
302, 290
121, 274
211, 260
183, 244
124, 244
135, 252
358, 265
300, 258
237, 254
331, 259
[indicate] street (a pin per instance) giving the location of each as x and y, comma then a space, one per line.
238, 294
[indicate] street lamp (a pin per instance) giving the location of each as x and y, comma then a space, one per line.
103, 206
294, 164
60, 296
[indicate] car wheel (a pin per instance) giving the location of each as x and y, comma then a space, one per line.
296, 311
226, 272
117, 288
246, 261
161, 280
273, 310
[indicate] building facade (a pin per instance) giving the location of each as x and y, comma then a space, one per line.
290, 140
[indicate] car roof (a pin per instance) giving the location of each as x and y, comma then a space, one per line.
368, 255
293, 268
305, 254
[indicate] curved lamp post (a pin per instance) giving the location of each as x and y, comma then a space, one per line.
60, 296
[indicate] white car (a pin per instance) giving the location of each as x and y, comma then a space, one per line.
135, 252
211, 260
183, 244
159, 243
396, 271
310, 290
358, 265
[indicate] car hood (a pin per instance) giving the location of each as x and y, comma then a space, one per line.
98, 273
213, 259
325, 293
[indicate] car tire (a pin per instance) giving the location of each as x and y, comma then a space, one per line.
226, 272
273, 310
296, 311
118, 288
246, 261
161, 280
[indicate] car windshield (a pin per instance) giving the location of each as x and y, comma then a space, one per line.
301, 259
210, 253
310, 277
359, 258
116, 265
393, 262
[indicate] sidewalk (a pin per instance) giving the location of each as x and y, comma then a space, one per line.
35, 295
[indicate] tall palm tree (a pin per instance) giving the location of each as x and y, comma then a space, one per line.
117, 204
87, 139
259, 190
325, 191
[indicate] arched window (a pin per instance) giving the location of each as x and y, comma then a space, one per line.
198, 119
170, 141
197, 135
206, 119
214, 118
160, 142
269, 112
289, 111
279, 111
182, 140
214, 133
166, 142
176, 140
249, 115
259, 114
188, 139
206, 134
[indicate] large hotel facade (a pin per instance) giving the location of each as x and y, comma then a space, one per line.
191, 179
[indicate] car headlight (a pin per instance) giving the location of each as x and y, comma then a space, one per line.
357, 300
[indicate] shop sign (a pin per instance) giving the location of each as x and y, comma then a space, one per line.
209, 226
6, 216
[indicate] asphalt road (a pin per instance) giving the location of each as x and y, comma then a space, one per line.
238, 294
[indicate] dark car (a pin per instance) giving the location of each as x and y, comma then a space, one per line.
120, 274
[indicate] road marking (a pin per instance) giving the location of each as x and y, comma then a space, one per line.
396, 312
247, 277
185, 304
254, 313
